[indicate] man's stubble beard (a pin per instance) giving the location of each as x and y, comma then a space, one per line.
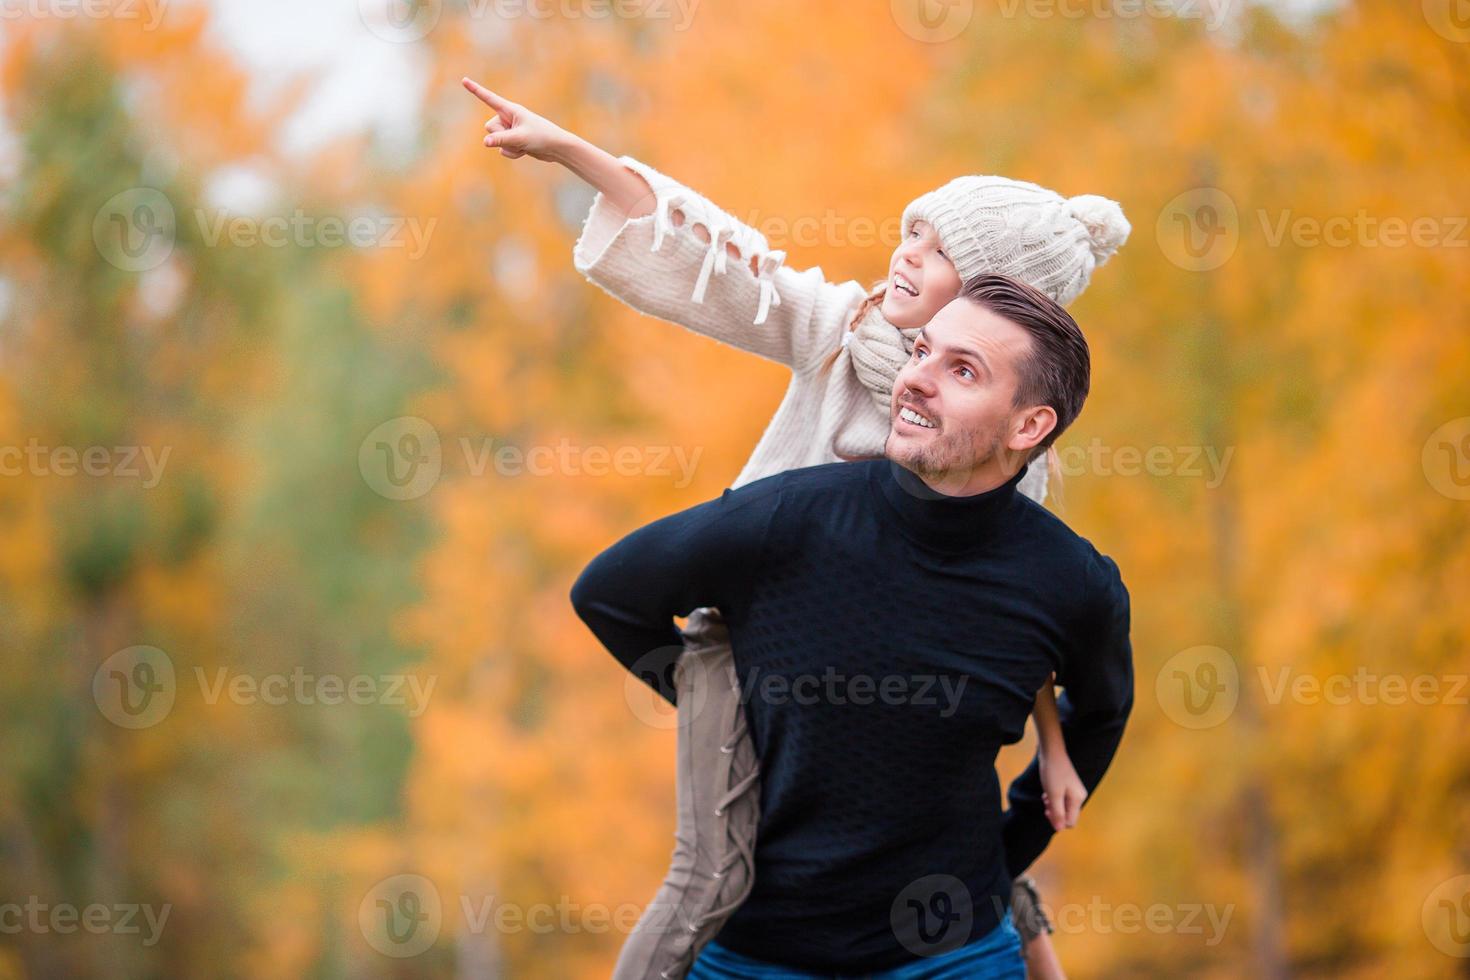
951, 459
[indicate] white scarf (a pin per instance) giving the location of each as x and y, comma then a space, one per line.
879, 350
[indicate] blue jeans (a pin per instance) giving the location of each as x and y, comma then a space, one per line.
995, 956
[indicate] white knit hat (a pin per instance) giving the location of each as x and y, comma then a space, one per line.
1019, 229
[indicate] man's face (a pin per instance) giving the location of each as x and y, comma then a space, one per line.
961, 381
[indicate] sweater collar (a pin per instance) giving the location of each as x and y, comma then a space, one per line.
939, 521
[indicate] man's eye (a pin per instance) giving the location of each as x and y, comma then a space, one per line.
968, 371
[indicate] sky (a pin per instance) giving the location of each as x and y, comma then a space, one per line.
365, 80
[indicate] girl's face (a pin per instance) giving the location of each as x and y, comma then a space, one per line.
921, 279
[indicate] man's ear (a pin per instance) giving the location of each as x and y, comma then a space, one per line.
1030, 426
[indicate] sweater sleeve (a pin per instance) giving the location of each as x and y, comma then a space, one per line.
1097, 696
704, 556
753, 302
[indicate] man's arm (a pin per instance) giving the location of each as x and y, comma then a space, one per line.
707, 555
1097, 681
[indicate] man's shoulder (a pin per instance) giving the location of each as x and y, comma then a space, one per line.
818, 479
1092, 574
810, 497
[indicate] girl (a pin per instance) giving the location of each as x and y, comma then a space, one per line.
669, 252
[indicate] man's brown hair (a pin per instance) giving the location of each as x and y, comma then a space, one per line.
1058, 369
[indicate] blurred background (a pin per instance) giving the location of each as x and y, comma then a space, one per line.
307, 423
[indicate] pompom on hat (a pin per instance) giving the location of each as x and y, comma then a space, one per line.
1019, 229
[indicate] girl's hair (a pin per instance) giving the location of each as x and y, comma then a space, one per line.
1054, 478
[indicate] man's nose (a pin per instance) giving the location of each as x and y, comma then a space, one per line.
915, 378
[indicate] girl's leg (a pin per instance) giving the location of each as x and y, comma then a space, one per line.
1026, 911
718, 789
1035, 929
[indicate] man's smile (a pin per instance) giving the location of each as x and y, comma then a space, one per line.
911, 417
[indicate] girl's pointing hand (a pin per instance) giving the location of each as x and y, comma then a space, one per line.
514, 129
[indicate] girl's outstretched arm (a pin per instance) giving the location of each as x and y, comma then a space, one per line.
667, 251
1062, 789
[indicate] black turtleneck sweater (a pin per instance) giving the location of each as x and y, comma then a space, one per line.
888, 640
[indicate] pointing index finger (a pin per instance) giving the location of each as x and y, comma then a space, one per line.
486, 96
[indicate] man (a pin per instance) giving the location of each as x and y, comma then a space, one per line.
893, 620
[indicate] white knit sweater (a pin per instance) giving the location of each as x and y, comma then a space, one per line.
794, 318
